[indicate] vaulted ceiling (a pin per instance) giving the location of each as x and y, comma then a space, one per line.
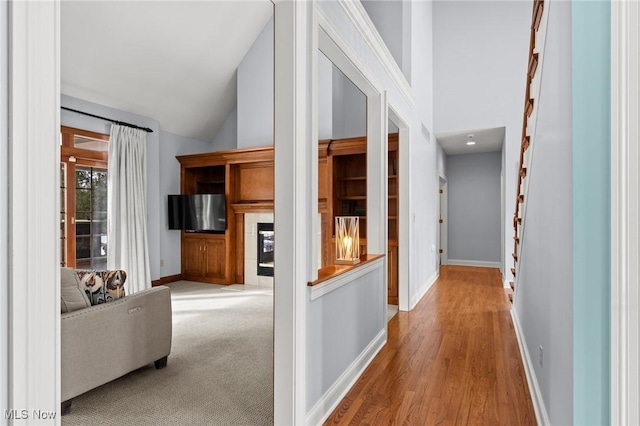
172, 61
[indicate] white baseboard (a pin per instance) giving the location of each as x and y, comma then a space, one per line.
481, 263
415, 298
542, 417
330, 400
506, 283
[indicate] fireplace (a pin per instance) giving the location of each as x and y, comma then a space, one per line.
265, 249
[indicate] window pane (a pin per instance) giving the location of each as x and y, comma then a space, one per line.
99, 227
83, 227
83, 247
84, 142
83, 177
83, 200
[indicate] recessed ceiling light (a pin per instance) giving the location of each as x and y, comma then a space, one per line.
470, 140
471, 143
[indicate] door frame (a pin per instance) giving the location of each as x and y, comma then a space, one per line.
405, 227
443, 204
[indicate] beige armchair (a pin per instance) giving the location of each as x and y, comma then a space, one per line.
102, 342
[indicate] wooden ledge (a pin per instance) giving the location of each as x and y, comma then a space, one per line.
332, 271
253, 207
335, 276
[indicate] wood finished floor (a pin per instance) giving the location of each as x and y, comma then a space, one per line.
453, 360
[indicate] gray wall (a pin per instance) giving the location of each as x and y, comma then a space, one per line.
392, 20
544, 293
473, 181
340, 325
170, 146
255, 92
227, 136
159, 156
325, 97
349, 108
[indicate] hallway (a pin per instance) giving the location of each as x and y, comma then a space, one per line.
453, 360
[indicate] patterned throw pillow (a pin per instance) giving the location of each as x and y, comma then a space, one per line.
102, 286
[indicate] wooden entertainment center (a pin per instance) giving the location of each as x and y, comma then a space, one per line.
246, 177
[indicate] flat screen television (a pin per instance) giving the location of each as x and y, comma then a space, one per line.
198, 212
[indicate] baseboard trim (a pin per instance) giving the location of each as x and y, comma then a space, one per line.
166, 280
330, 400
542, 417
481, 263
506, 283
423, 290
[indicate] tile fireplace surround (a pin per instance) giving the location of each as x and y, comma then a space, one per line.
251, 221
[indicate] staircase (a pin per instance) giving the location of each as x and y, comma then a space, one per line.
536, 41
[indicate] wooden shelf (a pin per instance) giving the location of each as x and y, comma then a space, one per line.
253, 207
352, 178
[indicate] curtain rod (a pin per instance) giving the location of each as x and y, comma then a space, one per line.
122, 123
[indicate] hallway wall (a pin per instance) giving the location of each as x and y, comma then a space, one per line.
543, 301
473, 182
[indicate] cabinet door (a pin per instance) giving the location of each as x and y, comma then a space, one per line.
392, 270
192, 256
214, 258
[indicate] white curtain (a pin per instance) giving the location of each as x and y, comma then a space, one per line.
127, 207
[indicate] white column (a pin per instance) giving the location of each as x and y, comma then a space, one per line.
625, 210
292, 206
4, 217
34, 205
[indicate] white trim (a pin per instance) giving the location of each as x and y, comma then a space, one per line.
625, 233
542, 417
404, 206
34, 247
359, 17
328, 286
4, 213
423, 290
334, 47
480, 263
330, 400
293, 220
506, 283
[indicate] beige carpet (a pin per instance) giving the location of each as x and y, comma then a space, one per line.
220, 370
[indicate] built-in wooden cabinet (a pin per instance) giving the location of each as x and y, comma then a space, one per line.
203, 256
245, 177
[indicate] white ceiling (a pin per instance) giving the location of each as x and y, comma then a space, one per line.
172, 61
487, 140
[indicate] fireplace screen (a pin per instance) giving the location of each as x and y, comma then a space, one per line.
265, 249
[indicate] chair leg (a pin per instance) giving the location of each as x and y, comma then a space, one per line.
161, 363
65, 407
